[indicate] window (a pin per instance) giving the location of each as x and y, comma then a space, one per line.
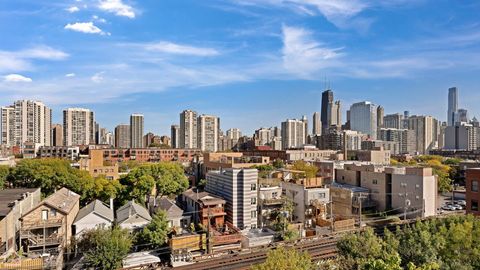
321, 195
253, 201
54, 213
474, 185
253, 214
44, 215
253, 187
474, 205
274, 194
375, 181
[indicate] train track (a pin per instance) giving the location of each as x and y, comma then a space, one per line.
318, 249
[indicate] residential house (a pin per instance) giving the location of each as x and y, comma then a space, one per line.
95, 215
132, 216
175, 216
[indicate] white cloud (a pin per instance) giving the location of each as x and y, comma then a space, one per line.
16, 78
98, 19
73, 9
69, 75
43, 52
84, 27
117, 7
97, 77
173, 48
21, 60
302, 55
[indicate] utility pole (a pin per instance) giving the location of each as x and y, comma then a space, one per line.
209, 247
331, 216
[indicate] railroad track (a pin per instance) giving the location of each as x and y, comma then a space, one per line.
319, 249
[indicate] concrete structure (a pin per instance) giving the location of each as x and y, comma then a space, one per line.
452, 105
95, 215
234, 134
380, 116
188, 129
239, 189
307, 154
78, 127
269, 200
394, 121
472, 194
316, 124
14, 203
208, 133
48, 226
405, 139
64, 152
294, 133
231, 160
57, 135
94, 164
122, 136
363, 118
461, 136
175, 135
427, 131
264, 136
132, 216
136, 130
394, 188
376, 156
26, 121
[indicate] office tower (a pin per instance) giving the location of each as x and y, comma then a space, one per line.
136, 130
462, 136
208, 133
427, 131
78, 127
234, 134
405, 139
461, 116
363, 118
175, 135
327, 101
188, 129
239, 189
57, 135
452, 105
316, 124
26, 121
122, 136
293, 133
393, 121
380, 115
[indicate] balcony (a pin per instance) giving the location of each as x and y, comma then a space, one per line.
272, 202
213, 212
38, 240
42, 224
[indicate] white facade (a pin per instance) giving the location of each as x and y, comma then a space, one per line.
136, 130
294, 133
188, 130
208, 133
234, 134
78, 127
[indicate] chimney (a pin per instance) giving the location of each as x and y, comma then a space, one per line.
111, 204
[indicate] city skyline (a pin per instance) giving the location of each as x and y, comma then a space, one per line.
144, 56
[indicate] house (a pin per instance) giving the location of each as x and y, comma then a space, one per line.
48, 226
132, 216
13, 203
202, 204
175, 215
96, 214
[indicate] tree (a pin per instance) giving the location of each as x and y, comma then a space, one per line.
4, 173
106, 248
310, 170
156, 232
278, 163
286, 259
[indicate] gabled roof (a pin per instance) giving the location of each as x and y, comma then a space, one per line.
130, 209
96, 207
63, 200
203, 197
164, 203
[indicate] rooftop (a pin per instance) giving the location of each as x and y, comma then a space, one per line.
63, 200
9, 196
203, 197
98, 208
130, 209
354, 189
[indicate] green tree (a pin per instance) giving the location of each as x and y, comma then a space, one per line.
137, 187
106, 248
156, 232
4, 173
310, 170
286, 259
278, 163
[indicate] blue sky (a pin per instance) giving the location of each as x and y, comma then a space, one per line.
252, 62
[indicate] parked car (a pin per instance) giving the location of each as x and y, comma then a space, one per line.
462, 203
448, 208
457, 207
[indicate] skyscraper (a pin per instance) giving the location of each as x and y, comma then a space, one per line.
427, 131
393, 121
234, 134
57, 135
175, 135
136, 130
327, 101
188, 129
452, 105
363, 118
26, 121
78, 127
208, 133
316, 124
293, 133
122, 136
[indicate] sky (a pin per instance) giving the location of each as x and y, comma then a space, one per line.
253, 63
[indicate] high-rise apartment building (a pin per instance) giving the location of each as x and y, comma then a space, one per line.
363, 118
316, 124
57, 135
136, 130
188, 129
405, 139
452, 105
26, 121
264, 136
393, 121
175, 135
208, 133
293, 133
427, 131
78, 127
380, 115
234, 134
462, 136
239, 189
122, 136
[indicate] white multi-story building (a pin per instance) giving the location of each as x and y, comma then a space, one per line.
317, 124
136, 130
461, 137
26, 121
264, 136
208, 133
234, 134
188, 129
427, 132
78, 127
239, 189
294, 133
363, 118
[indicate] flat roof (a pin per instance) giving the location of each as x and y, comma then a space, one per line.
8, 196
351, 187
